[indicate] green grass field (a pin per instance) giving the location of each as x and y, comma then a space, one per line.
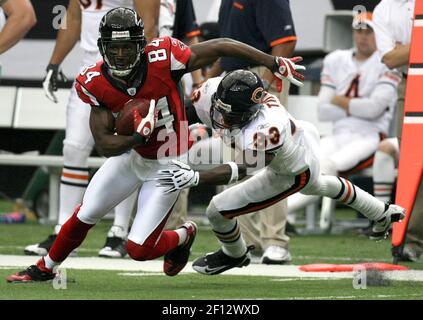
100, 285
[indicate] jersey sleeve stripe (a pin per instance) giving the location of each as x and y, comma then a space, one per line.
175, 64
89, 95
283, 40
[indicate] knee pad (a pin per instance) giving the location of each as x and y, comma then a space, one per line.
218, 221
75, 156
213, 213
139, 252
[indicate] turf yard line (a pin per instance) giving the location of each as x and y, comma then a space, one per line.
303, 279
139, 274
382, 296
22, 248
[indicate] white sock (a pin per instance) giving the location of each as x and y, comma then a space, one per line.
348, 193
50, 264
235, 249
383, 176
182, 233
73, 184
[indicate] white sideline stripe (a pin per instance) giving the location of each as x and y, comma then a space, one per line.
23, 247
198, 253
382, 296
275, 271
415, 71
418, 23
139, 274
413, 119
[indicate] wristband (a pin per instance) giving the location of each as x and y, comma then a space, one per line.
139, 139
234, 175
52, 66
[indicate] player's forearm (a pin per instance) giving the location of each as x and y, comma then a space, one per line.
67, 37
281, 50
102, 127
374, 106
208, 52
19, 22
220, 175
329, 112
397, 57
342, 102
235, 171
326, 111
148, 10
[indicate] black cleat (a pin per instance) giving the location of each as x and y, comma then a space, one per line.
42, 248
218, 262
380, 229
33, 273
175, 260
114, 247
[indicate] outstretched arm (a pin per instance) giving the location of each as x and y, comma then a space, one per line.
208, 52
231, 172
205, 53
182, 176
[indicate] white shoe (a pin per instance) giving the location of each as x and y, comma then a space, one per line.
42, 248
276, 255
380, 229
115, 246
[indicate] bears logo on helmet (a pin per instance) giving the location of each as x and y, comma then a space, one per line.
237, 100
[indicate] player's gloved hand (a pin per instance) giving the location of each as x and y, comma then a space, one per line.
50, 81
177, 179
198, 131
286, 68
144, 127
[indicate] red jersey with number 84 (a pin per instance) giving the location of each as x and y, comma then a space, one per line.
164, 56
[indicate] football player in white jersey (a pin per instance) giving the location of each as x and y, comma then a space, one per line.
358, 95
82, 20
283, 151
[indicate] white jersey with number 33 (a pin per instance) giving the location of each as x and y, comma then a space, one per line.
92, 12
273, 129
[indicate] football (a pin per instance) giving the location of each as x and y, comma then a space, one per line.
124, 123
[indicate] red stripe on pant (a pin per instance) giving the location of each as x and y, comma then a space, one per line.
300, 182
151, 248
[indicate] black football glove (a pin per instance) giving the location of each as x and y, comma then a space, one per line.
50, 81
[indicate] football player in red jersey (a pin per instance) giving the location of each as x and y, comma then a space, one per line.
132, 69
